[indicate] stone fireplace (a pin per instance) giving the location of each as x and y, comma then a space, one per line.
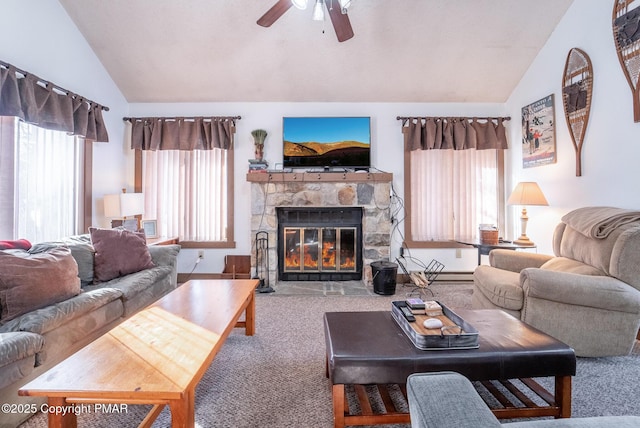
342, 212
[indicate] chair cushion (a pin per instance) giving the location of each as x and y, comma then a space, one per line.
564, 264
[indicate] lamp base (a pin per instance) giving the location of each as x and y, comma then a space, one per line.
524, 240
128, 224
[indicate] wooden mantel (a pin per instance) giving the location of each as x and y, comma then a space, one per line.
307, 177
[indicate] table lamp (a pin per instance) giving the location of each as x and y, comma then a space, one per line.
122, 205
526, 193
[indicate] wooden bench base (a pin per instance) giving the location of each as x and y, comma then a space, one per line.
557, 405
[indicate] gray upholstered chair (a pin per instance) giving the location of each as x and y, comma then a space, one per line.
587, 296
449, 400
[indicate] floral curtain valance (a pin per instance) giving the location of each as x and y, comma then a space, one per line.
48, 106
181, 133
454, 133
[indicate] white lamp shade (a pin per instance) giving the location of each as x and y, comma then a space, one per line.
527, 193
123, 205
318, 11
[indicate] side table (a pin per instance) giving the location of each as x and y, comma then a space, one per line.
163, 240
484, 249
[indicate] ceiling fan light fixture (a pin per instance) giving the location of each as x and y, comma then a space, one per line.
344, 5
318, 11
300, 4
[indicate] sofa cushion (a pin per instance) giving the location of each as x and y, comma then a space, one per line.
118, 252
564, 264
46, 319
18, 356
19, 345
31, 281
136, 283
81, 250
139, 289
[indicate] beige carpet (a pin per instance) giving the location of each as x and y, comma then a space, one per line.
277, 377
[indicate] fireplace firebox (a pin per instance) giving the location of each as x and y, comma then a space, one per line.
319, 244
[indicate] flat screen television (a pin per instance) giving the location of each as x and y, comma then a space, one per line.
326, 142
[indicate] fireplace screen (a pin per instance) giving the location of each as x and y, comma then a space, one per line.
319, 243
313, 249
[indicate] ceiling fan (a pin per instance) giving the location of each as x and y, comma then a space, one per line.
337, 12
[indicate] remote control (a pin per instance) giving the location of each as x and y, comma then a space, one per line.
407, 313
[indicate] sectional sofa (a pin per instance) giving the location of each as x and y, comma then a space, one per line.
107, 279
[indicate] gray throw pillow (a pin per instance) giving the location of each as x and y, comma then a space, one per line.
81, 250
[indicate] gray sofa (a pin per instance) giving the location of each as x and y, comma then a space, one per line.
587, 295
35, 341
449, 400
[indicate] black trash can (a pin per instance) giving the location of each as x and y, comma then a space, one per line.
384, 277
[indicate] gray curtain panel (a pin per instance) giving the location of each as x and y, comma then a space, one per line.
27, 98
454, 133
178, 133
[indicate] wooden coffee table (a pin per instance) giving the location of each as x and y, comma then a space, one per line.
369, 350
157, 356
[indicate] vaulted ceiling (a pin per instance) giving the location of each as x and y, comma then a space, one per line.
402, 51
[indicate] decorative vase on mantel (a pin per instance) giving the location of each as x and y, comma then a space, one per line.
259, 135
259, 153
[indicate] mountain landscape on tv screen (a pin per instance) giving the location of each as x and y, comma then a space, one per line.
326, 154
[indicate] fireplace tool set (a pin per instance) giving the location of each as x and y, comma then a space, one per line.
262, 262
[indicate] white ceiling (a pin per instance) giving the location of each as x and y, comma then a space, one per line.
402, 51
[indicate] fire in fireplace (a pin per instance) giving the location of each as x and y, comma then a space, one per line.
316, 244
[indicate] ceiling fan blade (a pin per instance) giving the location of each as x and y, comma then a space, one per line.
276, 11
340, 22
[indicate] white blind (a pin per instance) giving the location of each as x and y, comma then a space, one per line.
47, 184
452, 193
187, 193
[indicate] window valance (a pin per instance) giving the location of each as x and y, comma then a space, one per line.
454, 133
182, 133
49, 106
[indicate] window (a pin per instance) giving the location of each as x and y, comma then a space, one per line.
184, 167
43, 182
451, 192
189, 193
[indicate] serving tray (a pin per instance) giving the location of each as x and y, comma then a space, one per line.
456, 333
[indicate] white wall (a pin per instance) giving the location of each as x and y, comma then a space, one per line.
39, 37
387, 155
611, 150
